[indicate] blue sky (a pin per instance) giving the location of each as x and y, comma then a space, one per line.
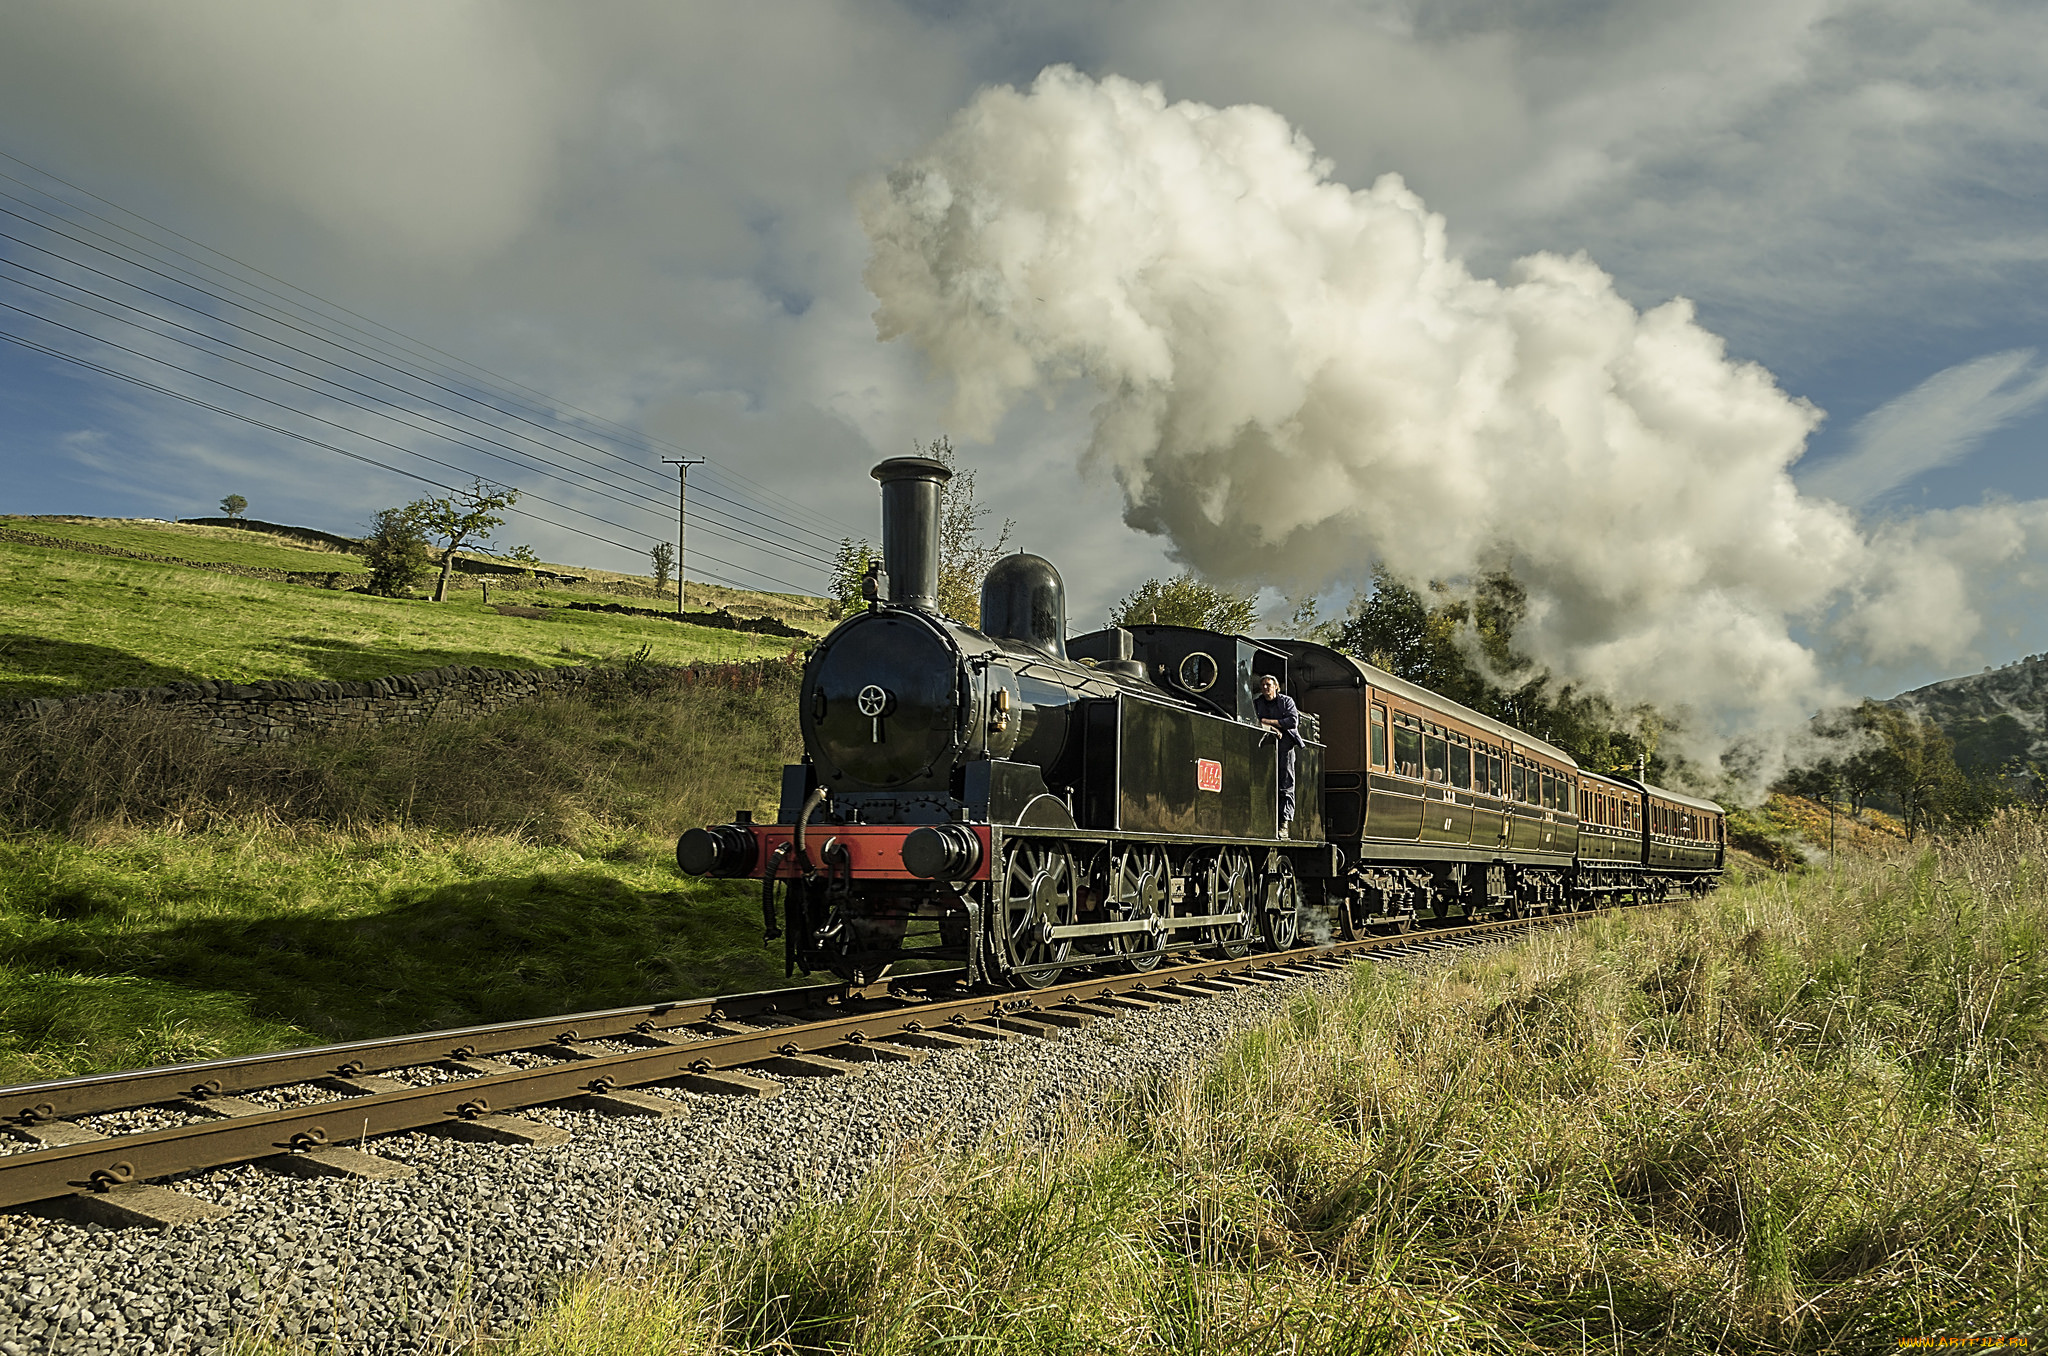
647, 212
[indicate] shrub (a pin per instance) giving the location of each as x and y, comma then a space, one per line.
396, 549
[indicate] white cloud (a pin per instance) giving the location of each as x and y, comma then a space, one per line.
1295, 380
1937, 423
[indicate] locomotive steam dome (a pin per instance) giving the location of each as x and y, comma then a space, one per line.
1023, 601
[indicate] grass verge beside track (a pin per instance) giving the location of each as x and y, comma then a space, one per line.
1807, 1114
163, 899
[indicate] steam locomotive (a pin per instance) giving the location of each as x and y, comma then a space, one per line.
1025, 803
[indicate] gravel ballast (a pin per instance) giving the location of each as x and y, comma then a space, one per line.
478, 1236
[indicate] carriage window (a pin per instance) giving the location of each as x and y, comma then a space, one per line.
1435, 759
1518, 786
1379, 736
1461, 767
1407, 751
1494, 785
1553, 798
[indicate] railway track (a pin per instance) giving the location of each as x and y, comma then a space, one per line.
256, 1108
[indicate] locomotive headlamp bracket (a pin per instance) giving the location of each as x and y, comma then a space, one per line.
876, 702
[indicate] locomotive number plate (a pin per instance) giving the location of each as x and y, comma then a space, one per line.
1208, 774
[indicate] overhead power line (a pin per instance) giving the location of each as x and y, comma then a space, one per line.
505, 387
803, 554
188, 398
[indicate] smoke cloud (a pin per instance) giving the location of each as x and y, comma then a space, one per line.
1296, 379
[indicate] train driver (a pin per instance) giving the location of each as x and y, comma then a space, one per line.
1278, 713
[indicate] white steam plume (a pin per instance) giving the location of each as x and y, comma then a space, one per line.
1297, 379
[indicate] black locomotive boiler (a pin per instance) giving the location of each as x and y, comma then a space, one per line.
1023, 803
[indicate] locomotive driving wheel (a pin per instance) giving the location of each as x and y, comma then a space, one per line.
1235, 890
1037, 896
1286, 906
1140, 884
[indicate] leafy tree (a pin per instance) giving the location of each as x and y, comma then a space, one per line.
663, 556
1463, 648
849, 565
464, 518
1305, 621
396, 549
1185, 600
522, 555
1910, 763
1394, 629
234, 506
963, 557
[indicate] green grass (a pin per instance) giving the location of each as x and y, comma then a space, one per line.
214, 545
80, 623
163, 899
155, 947
1807, 1114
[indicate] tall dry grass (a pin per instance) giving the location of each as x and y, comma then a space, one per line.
646, 750
1809, 1113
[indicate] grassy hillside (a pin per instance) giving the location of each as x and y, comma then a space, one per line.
254, 547
80, 623
163, 899
212, 545
1808, 1114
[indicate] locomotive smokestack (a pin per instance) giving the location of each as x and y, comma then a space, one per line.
910, 528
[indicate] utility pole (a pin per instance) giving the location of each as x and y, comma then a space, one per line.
682, 466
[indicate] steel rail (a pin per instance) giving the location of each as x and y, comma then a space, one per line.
96, 1094
61, 1170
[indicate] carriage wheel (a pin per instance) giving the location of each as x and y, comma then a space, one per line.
1282, 923
1038, 896
1139, 882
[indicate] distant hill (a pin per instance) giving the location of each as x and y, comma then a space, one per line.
1993, 716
